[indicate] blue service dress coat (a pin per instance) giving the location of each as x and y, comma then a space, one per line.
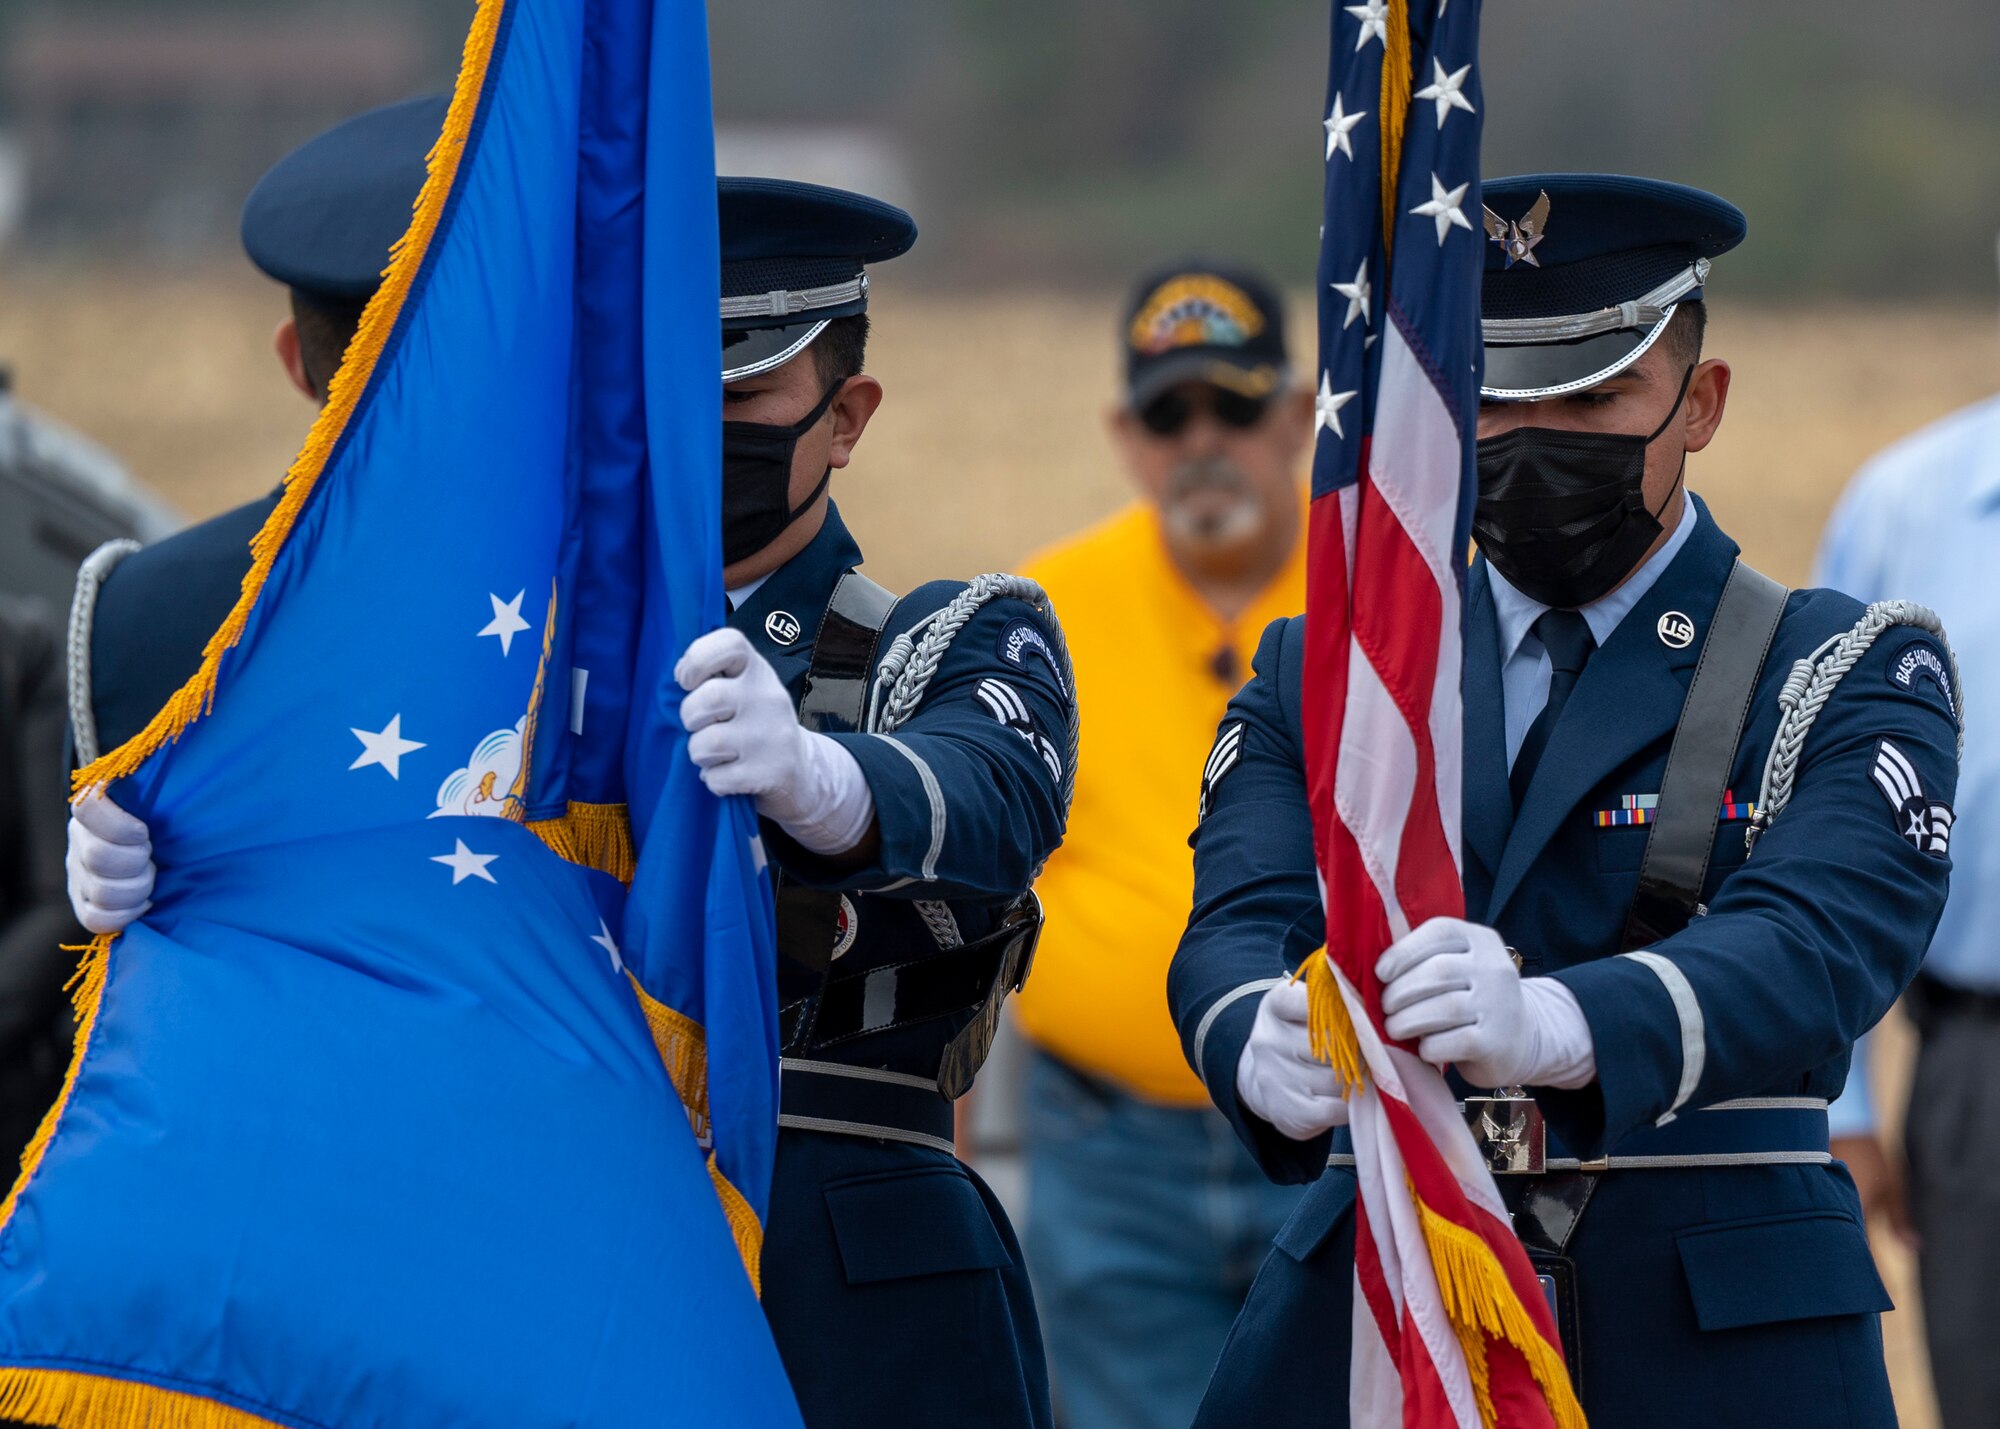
1720, 1294
892, 1278
156, 613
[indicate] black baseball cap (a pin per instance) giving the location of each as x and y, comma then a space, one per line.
1203, 322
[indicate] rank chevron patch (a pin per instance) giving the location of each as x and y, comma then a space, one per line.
1923, 821
1221, 759
1005, 704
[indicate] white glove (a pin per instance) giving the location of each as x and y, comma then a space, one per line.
1453, 986
1278, 1077
747, 739
110, 865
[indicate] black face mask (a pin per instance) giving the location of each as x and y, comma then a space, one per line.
757, 481
1562, 515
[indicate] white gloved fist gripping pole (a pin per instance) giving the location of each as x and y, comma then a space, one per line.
1454, 987
109, 864
1278, 1078
746, 738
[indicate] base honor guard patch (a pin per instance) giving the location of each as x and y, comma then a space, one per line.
1923, 821
1645, 808
1020, 640
1919, 661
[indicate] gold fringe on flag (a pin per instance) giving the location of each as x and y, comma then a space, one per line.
1330, 1026
1479, 1301
65, 1398
743, 1225
683, 1044
597, 836
378, 320
1395, 112
89, 1401
86, 990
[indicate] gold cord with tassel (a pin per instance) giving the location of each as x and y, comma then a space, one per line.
1330, 1025
1395, 112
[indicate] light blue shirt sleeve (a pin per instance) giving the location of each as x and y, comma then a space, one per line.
1852, 1113
1922, 521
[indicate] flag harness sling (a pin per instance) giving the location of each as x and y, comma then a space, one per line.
1676, 861
1678, 847
852, 686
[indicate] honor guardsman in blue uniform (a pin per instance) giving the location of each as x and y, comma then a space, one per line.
1647, 1008
913, 761
321, 222
913, 758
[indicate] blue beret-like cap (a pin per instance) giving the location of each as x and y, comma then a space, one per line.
792, 260
1583, 272
325, 217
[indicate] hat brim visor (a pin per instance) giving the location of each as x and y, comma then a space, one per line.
747, 352
1228, 371
1533, 372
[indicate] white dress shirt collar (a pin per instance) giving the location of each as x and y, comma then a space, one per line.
739, 594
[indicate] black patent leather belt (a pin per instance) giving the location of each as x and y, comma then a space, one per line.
1750, 1131
866, 1102
974, 977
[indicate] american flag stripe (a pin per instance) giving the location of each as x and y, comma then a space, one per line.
1450, 1329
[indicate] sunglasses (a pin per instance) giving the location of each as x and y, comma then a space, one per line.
1169, 413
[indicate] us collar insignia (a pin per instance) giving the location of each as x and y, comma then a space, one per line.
1517, 240
1645, 808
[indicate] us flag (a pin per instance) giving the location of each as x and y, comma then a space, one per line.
1451, 1329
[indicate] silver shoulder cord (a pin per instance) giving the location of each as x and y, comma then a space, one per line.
95, 570
1812, 682
904, 675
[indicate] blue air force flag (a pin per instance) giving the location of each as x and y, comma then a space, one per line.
397, 1109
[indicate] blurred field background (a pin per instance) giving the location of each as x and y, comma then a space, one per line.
1051, 150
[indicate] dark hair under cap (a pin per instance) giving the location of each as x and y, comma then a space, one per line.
323, 220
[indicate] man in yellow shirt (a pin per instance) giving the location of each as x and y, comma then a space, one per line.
1146, 1219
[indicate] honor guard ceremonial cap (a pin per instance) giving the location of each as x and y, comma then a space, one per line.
325, 217
1196, 322
1583, 274
793, 256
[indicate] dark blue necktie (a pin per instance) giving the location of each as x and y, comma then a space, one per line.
1566, 636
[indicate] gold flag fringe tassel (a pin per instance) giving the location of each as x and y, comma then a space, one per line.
86, 990
743, 1225
1330, 1025
378, 320
597, 836
65, 1398
89, 1401
683, 1044
1395, 112
1479, 1301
